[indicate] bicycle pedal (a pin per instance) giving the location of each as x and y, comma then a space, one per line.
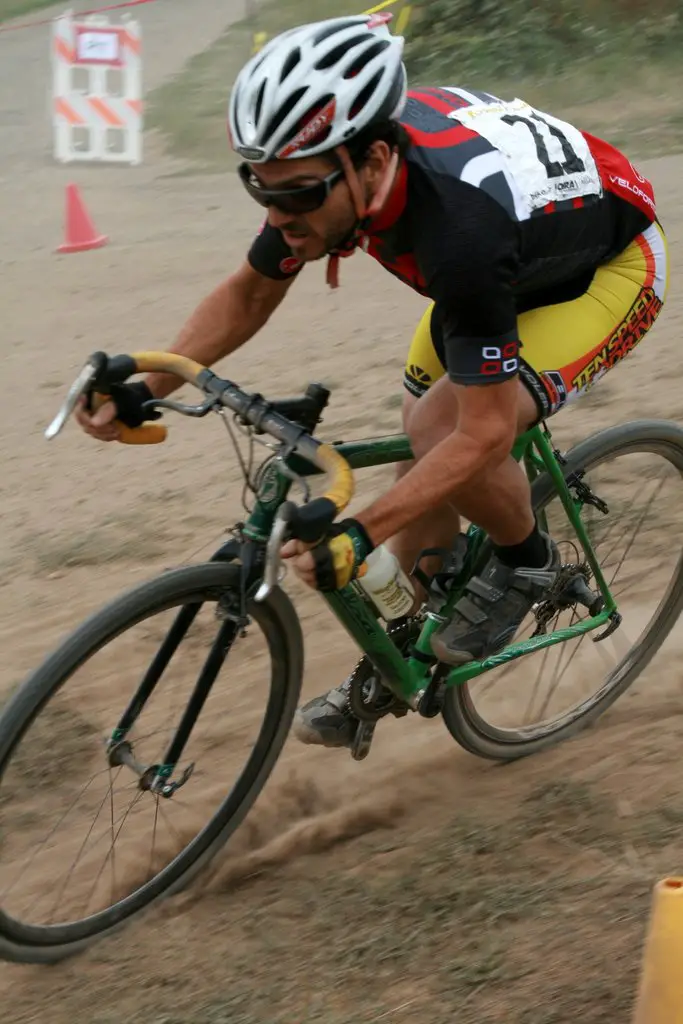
360, 748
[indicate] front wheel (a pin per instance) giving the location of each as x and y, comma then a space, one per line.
84, 844
546, 697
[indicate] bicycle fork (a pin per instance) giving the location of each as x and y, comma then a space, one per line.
157, 778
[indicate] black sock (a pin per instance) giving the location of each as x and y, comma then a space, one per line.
532, 553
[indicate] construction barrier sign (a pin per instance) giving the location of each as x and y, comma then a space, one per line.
97, 89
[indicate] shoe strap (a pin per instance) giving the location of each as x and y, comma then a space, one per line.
470, 611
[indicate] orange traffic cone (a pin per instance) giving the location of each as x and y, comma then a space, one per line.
80, 230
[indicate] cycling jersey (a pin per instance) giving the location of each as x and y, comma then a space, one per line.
497, 207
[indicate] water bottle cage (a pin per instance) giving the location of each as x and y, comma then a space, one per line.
452, 565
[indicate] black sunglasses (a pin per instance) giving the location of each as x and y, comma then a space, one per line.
304, 199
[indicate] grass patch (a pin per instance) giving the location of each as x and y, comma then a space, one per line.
16, 8
516, 38
569, 65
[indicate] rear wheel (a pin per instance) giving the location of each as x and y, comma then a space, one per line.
546, 697
84, 846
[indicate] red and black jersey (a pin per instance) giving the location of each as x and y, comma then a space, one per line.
497, 208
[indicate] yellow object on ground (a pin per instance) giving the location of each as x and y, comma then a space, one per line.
660, 996
260, 40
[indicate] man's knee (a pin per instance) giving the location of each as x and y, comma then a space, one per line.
409, 403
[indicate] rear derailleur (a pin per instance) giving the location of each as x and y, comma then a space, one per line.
569, 590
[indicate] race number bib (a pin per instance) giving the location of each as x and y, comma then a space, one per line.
547, 159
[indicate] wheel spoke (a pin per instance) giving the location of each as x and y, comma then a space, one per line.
27, 863
572, 654
539, 674
78, 856
110, 852
167, 821
154, 832
639, 523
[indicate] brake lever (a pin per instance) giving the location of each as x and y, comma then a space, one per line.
81, 386
273, 563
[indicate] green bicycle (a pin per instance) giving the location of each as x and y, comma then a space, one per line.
62, 891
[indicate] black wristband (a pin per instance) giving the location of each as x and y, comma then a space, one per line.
344, 525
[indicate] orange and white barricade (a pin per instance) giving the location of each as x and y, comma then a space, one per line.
97, 89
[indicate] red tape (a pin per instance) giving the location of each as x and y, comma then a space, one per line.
76, 15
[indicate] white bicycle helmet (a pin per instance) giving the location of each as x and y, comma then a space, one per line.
313, 88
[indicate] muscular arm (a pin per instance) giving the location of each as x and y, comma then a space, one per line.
470, 264
232, 314
482, 440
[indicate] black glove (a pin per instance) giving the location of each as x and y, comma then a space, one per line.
129, 399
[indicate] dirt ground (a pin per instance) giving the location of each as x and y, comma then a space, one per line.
423, 884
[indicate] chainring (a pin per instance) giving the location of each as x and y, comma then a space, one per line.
367, 698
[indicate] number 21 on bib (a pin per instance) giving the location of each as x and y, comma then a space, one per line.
546, 160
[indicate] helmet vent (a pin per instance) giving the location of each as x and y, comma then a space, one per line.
289, 65
367, 55
365, 94
331, 30
284, 111
259, 102
339, 52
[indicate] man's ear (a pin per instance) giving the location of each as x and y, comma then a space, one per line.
378, 155
376, 162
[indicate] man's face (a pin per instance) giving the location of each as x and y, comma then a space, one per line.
310, 236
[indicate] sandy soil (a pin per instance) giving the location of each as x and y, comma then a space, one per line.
81, 522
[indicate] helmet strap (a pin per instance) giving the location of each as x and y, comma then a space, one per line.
364, 213
353, 182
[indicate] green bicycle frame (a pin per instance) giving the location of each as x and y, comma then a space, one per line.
409, 677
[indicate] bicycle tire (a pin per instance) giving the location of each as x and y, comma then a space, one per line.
280, 624
461, 718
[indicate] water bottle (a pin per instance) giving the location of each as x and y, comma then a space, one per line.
386, 584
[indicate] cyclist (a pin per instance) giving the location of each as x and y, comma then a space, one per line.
539, 250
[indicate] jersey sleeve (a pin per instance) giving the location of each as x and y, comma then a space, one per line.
271, 256
471, 261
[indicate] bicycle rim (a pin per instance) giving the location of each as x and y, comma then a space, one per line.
493, 715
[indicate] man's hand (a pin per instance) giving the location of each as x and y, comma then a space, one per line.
333, 562
125, 405
99, 424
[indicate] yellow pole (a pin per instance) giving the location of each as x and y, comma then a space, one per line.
380, 7
403, 19
660, 995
